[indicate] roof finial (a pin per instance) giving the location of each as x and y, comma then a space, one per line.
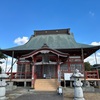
45, 46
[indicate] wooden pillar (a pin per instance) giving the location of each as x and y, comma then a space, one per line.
83, 67
99, 84
6, 64
69, 69
56, 71
33, 73
59, 73
32, 84
41, 73
25, 73
12, 66
95, 58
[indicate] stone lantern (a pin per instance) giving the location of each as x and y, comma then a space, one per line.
78, 92
3, 84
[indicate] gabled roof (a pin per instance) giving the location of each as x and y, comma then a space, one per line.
54, 41
45, 50
96, 66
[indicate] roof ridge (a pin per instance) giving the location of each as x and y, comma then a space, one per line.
56, 31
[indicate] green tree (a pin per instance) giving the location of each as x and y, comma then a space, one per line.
87, 66
2, 56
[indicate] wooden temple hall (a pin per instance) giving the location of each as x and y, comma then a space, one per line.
43, 60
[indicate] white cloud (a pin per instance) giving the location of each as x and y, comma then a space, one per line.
21, 41
98, 54
91, 13
95, 43
91, 59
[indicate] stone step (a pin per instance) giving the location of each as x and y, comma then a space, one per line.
46, 85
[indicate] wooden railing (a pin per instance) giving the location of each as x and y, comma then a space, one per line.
92, 74
28, 75
20, 75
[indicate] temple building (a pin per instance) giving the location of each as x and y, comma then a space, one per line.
43, 60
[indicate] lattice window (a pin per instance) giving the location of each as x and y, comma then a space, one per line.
21, 68
76, 66
64, 67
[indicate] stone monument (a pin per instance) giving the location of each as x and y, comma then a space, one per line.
3, 85
78, 92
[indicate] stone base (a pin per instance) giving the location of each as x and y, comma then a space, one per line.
10, 86
31, 90
78, 99
3, 98
2, 91
89, 89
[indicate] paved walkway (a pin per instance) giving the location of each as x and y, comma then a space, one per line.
40, 96
68, 94
25, 94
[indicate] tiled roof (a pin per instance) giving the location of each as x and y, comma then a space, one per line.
55, 41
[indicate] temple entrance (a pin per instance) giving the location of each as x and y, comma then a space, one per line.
49, 71
46, 71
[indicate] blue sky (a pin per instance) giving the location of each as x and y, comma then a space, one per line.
19, 18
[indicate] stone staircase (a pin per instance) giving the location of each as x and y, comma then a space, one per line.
46, 85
